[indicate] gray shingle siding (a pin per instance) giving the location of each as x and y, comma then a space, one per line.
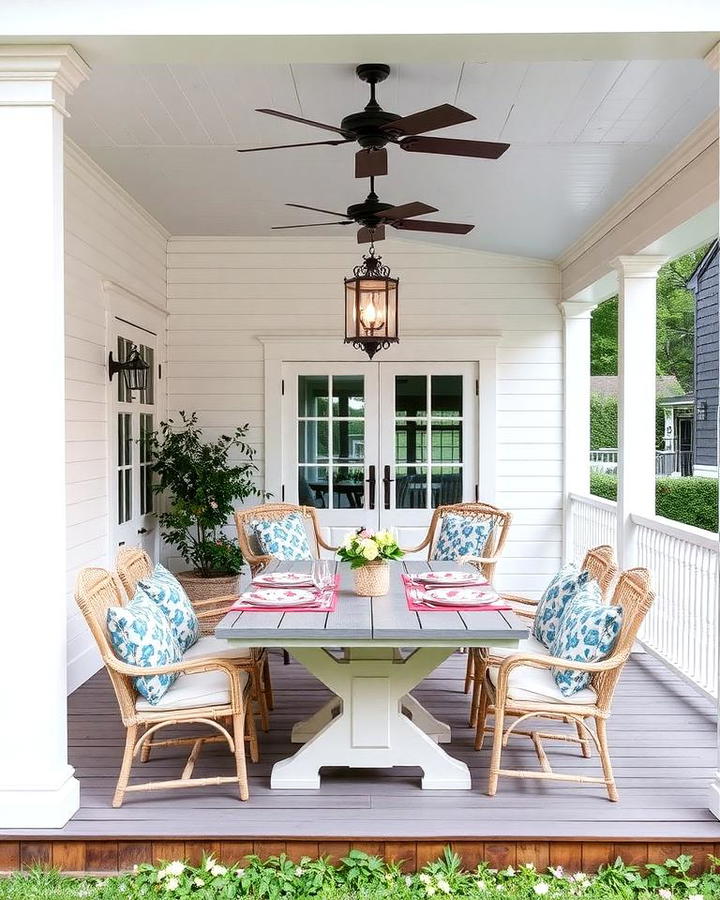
704, 285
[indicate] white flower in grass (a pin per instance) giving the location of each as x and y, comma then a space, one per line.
665, 894
218, 870
172, 884
580, 876
529, 866
695, 897
541, 888
425, 878
198, 882
408, 880
299, 871
430, 891
239, 872
443, 886
509, 871
499, 887
175, 868
122, 888
480, 885
209, 863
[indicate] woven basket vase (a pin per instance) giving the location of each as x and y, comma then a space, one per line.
198, 588
372, 579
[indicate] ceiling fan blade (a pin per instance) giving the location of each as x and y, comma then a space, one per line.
366, 235
371, 162
285, 146
315, 209
429, 120
406, 211
282, 115
439, 227
453, 147
312, 225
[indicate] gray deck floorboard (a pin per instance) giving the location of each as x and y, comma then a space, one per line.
662, 737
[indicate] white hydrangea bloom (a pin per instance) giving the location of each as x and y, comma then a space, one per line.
172, 884
541, 888
218, 870
175, 868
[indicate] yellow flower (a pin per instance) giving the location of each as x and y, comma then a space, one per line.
369, 549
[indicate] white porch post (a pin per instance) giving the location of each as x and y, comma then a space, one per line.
576, 408
37, 788
637, 278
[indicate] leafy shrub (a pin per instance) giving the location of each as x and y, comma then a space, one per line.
363, 877
693, 501
603, 422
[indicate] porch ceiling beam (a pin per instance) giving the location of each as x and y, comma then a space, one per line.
37, 787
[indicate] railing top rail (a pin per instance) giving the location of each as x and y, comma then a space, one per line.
687, 533
591, 500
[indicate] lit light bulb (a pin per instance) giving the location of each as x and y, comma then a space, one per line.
370, 313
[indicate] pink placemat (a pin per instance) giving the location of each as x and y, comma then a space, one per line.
414, 593
330, 606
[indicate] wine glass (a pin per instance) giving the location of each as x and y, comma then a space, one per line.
321, 574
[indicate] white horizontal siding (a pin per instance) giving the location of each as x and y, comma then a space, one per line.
107, 237
225, 292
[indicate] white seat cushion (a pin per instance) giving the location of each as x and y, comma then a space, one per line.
212, 646
537, 686
195, 689
530, 645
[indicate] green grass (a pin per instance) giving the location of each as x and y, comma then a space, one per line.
362, 877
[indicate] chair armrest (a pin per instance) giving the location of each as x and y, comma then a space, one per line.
553, 662
517, 598
325, 546
220, 600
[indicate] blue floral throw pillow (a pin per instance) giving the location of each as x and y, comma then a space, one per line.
461, 536
164, 588
284, 538
561, 590
141, 636
587, 632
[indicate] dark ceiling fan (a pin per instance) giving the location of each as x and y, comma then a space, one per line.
373, 216
373, 128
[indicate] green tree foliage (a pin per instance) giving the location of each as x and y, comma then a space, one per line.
675, 324
603, 422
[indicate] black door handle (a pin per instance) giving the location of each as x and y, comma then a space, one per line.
387, 481
371, 487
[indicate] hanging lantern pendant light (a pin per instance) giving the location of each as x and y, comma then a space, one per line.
371, 306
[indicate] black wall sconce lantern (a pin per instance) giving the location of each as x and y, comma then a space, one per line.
371, 306
134, 370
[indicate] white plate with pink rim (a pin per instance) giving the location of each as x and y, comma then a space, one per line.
455, 578
460, 596
282, 598
283, 579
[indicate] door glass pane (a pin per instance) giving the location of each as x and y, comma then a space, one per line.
348, 395
348, 441
446, 395
146, 492
313, 442
123, 349
445, 485
348, 487
410, 441
313, 395
148, 395
411, 487
410, 395
446, 440
313, 486
124, 456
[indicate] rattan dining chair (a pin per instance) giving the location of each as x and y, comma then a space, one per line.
224, 707
599, 563
134, 564
268, 512
522, 687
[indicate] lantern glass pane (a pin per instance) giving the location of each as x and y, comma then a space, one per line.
351, 326
391, 328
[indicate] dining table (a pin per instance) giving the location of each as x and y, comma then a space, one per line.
371, 652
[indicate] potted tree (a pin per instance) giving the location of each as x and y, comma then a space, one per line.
201, 487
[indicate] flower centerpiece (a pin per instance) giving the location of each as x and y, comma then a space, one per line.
368, 554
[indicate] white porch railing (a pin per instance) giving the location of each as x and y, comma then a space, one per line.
667, 462
682, 627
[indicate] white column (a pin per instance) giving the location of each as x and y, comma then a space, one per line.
637, 277
576, 408
37, 788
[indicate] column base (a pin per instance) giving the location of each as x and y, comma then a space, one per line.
44, 806
714, 801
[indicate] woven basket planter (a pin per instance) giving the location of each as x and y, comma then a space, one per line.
198, 588
372, 579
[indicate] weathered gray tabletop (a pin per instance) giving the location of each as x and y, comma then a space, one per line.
373, 721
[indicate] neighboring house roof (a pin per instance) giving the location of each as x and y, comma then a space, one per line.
712, 251
607, 386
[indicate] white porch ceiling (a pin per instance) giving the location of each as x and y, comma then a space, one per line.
582, 134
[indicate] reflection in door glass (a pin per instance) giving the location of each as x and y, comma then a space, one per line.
411, 487
348, 441
410, 441
313, 395
446, 440
410, 395
313, 442
445, 485
348, 395
446, 395
313, 486
348, 487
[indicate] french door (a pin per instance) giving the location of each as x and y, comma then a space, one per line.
379, 444
133, 419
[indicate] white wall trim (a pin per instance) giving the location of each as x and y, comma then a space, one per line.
696, 142
705, 471
481, 348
